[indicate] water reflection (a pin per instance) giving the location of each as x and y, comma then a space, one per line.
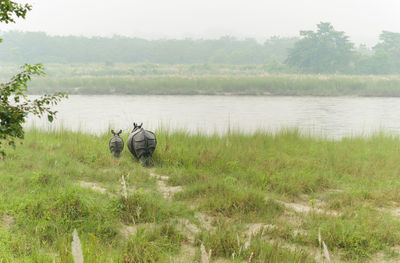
330, 116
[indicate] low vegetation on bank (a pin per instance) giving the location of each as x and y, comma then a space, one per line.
273, 85
202, 79
252, 198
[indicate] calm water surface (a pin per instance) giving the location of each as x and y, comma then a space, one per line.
329, 116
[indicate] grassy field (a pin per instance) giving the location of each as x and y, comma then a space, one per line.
204, 79
246, 198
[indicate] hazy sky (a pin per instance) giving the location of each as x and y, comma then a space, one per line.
362, 20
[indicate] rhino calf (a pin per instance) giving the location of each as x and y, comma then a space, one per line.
116, 144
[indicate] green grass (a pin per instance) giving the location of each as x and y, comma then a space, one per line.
153, 245
236, 180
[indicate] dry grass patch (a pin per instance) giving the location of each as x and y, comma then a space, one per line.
95, 187
308, 208
7, 221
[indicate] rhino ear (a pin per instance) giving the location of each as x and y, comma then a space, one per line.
120, 131
134, 125
112, 131
140, 126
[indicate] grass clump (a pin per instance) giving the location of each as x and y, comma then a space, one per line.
224, 241
228, 242
222, 197
145, 207
153, 245
359, 232
52, 216
265, 252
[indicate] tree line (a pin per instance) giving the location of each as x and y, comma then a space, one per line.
36, 46
324, 50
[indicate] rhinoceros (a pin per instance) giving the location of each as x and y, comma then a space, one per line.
142, 143
116, 144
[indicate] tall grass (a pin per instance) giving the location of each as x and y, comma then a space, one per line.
234, 179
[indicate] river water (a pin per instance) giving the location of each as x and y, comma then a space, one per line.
334, 117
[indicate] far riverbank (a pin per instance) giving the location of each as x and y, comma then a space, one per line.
256, 85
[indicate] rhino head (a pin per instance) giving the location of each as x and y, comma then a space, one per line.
116, 134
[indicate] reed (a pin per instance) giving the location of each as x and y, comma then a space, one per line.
76, 248
124, 189
326, 252
204, 255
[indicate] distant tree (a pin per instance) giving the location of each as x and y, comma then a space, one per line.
387, 53
29, 47
14, 104
363, 49
276, 48
323, 51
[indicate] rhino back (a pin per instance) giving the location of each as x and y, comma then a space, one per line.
142, 142
116, 144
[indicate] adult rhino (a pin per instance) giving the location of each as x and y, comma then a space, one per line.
142, 143
116, 144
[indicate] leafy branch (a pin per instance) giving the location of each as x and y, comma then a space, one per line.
15, 105
10, 9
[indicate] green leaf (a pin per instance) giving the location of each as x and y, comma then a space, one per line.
50, 118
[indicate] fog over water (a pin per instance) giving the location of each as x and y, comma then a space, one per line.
334, 117
362, 20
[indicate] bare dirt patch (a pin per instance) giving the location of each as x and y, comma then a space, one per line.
258, 228
205, 220
307, 208
127, 231
158, 176
7, 221
382, 258
315, 252
395, 211
188, 228
188, 249
167, 191
93, 186
221, 260
187, 254
254, 229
